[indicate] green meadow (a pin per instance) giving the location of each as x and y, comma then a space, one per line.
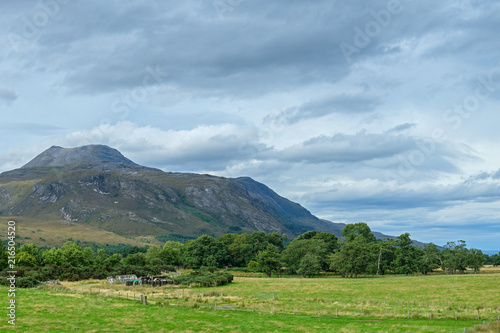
255, 304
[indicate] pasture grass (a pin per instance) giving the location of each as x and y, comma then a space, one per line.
46, 310
252, 304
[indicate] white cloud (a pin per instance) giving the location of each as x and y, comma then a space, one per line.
203, 147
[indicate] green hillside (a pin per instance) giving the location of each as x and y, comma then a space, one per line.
96, 187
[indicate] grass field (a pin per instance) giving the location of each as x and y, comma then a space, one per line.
57, 232
253, 304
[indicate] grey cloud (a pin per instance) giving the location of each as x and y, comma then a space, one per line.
320, 107
108, 48
279, 59
32, 128
7, 95
484, 176
344, 148
470, 27
107, 45
431, 197
401, 128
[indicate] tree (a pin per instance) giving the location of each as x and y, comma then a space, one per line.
171, 253
53, 256
253, 265
309, 265
200, 252
329, 239
222, 255
89, 257
26, 259
269, 260
351, 231
495, 259
475, 259
28, 255
72, 254
406, 255
429, 258
454, 257
153, 255
101, 256
241, 251
136, 259
276, 239
386, 254
299, 248
259, 241
245, 248
353, 258
114, 260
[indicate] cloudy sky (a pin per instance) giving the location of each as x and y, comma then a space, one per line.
385, 112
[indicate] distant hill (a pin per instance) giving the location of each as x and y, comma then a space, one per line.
96, 187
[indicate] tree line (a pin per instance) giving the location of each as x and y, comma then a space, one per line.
357, 252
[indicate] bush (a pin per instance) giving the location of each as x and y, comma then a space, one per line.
27, 282
205, 279
253, 265
21, 282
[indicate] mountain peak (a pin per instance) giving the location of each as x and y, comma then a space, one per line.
90, 154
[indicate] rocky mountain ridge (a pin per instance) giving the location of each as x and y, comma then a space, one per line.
97, 186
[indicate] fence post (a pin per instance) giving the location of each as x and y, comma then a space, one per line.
478, 316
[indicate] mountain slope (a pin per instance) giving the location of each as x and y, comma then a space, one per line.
97, 187
91, 154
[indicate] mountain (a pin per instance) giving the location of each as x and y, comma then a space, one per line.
96, 155
96, 188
